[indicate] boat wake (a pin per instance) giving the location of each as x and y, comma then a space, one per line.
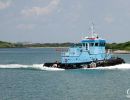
41, 67
120, 66
33, 66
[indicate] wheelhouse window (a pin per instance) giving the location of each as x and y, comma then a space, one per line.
83, 44
96, 44
102, 44
91, 44
86, 46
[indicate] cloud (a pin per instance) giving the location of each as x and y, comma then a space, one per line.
4, 5
37, 11
109, 19
25, 26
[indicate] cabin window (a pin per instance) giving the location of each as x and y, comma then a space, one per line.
86, 46
102, 44
96, 44
91, 44
83, 44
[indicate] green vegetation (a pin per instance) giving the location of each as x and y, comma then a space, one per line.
114, 46
5, 44
22, 45
49, 45
119, 46
10, 45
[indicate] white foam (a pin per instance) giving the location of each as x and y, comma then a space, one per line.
33, 66
52, 69
41, 67
120, 66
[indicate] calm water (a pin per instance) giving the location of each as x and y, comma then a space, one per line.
31, 84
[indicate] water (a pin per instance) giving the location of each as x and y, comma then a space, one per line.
28, 55
23, 78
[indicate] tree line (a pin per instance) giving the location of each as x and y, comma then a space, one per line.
114, 46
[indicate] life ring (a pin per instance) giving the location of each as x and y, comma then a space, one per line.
93, 65
54, 65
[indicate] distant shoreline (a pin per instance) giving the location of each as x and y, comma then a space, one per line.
47, 47
117, 48
121, 52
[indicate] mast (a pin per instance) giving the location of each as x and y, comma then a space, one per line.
93, 34
92, 30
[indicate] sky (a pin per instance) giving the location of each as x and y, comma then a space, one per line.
59, 21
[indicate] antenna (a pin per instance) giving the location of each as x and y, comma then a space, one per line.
92, 29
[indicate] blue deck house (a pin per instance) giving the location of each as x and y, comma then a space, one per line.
90, 49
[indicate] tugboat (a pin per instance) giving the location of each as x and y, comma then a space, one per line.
89, 53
